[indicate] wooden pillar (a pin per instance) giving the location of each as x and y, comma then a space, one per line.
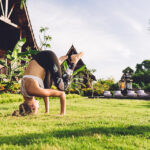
2, 7
6, 8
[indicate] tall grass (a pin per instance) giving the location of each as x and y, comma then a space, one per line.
89, 124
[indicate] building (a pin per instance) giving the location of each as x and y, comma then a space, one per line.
87, 77
15, 24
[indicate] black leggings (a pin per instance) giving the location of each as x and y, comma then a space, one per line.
49, 61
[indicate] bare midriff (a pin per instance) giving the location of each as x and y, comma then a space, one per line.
35, 69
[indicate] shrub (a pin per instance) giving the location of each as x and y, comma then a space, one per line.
147, 87
10, 87
87, 91
136, 86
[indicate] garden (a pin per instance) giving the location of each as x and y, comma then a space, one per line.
96, 123
88, 124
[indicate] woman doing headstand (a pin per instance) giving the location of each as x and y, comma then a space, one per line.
33, 81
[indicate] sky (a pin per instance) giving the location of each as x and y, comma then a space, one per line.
113, 34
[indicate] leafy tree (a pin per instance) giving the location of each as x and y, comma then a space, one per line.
141, 77
139, 68
143, 67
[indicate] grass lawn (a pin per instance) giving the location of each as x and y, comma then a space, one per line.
89, 124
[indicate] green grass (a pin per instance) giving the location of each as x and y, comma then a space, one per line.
89, 124
9, 98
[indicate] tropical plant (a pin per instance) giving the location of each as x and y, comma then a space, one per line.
89, 77
15, 63
44, 38
76, 81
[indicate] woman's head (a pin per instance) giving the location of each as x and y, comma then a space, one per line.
27, 108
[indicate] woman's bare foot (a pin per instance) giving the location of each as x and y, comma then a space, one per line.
62, 59
76, 57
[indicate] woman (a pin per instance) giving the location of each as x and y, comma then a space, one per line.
33, 81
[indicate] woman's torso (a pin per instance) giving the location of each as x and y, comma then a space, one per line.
35, 69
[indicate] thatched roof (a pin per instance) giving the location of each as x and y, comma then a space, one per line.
71, 51
15, 24
80, 63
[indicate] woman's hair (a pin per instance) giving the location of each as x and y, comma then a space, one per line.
24, 110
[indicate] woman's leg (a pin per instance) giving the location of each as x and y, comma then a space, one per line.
48, 79
62, 81
62, 59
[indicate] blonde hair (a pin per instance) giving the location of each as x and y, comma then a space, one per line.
24, 110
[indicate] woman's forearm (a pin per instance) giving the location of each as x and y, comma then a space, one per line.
63, 104
46, 101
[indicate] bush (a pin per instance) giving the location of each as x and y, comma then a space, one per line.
136, 86
87, 91
147, 87
10, 87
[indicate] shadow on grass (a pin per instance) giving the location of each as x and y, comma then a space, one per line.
4, 108
142, 106
29, 139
